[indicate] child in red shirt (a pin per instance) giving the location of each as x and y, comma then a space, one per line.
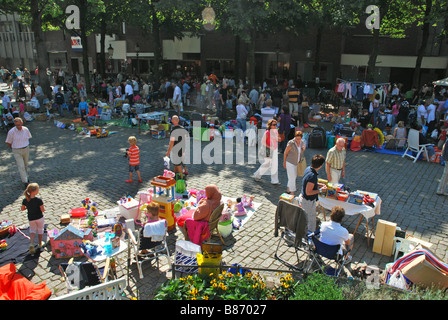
134, 159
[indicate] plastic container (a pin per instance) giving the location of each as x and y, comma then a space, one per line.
129, 209
78, 212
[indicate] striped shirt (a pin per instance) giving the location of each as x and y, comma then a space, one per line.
18, 138
336, 158
134, 155
293, 95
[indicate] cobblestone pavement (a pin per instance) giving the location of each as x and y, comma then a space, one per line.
70, 167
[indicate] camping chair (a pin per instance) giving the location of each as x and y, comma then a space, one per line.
146, 248
320, 250
78, 275
291, 220
214, 220
414, 146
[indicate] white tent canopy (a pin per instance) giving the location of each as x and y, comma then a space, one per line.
443, 82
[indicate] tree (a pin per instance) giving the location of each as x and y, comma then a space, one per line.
430, 13
330, 14
31, 12
169, 17
246, 19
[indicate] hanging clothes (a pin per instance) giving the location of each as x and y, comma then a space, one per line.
348, 90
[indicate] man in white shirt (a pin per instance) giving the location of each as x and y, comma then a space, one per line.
332, 233
422, 114
177, 97
431, 118
6, 102
129, 92
18, 141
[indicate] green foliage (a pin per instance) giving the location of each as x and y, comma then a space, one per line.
318, 286
225, 286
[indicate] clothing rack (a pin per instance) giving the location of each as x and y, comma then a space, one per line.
363, 82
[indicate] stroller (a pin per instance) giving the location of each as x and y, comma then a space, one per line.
7, 121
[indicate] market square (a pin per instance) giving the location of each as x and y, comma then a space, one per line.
162, 158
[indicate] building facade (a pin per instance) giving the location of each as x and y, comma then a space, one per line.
343, 54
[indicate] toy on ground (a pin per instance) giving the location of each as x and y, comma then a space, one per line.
66, 243
90, 206
3, 245
225, 224
247, 201
240, 208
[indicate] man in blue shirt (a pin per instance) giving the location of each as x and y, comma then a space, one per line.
185, 89
311, 190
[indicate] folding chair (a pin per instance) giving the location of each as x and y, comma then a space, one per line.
320, 250
78, 275
146, 248
415, 146
291, 220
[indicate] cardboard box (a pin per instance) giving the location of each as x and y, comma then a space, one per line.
65, 218
384, 237
287, 197
355, 198
423, 273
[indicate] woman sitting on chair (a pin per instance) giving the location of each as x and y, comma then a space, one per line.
205, 206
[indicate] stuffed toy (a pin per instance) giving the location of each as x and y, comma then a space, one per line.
200, 195
240, 208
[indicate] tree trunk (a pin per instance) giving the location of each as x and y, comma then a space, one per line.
423, 45
85, 53
157, 45
251, 61
102, 69
371, 69
236, 76
42, 55
317, 58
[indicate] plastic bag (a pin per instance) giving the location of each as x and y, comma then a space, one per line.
166, 162
398, 280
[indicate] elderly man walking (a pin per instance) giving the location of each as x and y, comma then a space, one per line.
18, 141
335, 162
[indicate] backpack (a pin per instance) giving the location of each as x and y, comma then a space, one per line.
59, 98
317, 138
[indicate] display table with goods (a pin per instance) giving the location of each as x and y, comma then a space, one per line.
363, 203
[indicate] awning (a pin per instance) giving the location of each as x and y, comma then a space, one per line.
443, 82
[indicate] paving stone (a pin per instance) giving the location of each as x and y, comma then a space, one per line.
70, 167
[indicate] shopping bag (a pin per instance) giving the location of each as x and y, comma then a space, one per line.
209, 261
166, 162
180, 183
301, 166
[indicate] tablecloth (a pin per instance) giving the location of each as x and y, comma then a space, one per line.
352, 209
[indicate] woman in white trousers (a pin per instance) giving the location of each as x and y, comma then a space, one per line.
293, 153
269, 153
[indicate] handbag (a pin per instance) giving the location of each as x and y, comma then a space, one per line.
301, 166
265, 152
281, 137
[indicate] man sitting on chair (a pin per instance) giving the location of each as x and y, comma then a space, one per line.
332, 233
422, 140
